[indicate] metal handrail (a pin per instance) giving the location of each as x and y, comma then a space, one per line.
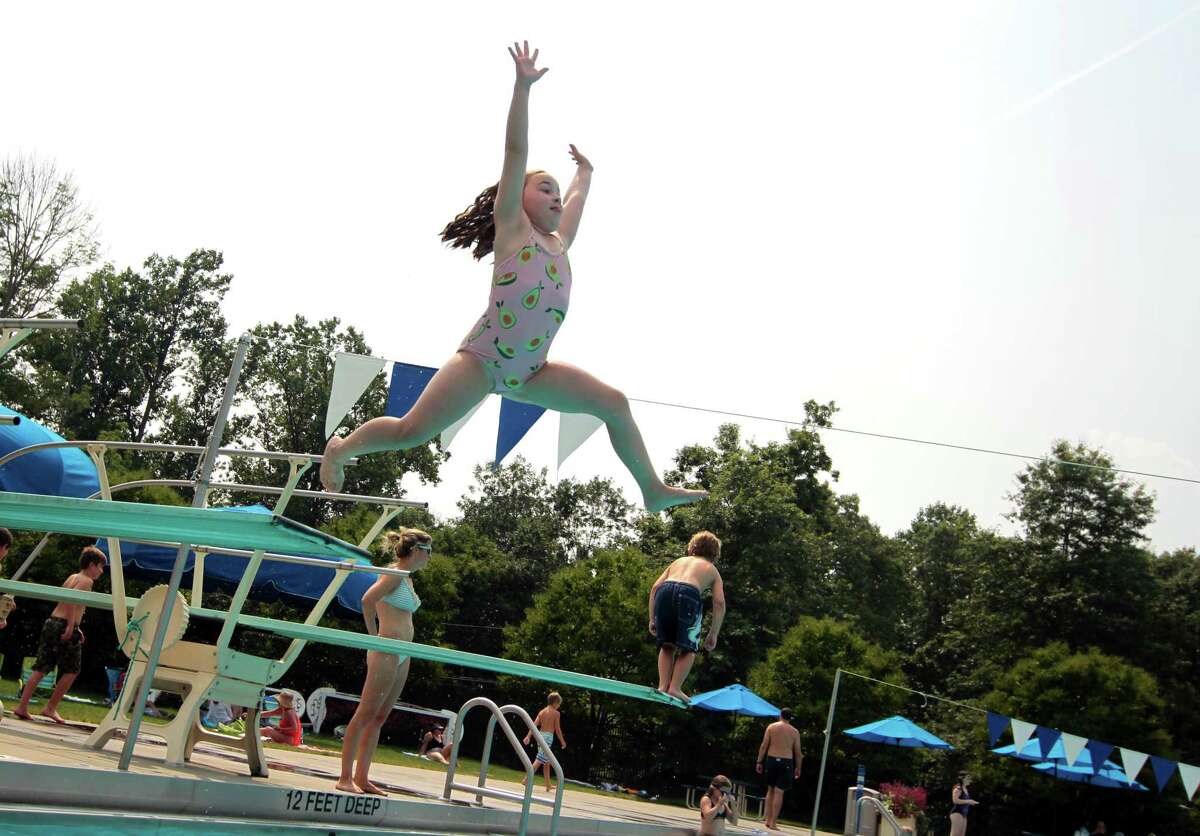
163, 448
9, 420
40, 324
886, 813
268, 489
482, 789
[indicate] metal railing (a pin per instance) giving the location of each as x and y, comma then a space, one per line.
481, 789
882, 810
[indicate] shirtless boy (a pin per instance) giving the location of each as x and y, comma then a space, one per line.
61, 644
676, 611
779, 759
549, 724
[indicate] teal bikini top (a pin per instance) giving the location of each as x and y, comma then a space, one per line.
403, 597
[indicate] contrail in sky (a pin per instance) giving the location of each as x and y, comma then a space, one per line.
1074, 77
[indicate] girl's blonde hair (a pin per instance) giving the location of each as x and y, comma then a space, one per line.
400, 544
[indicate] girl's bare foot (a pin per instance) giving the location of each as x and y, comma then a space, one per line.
53, 715
679, 695
22, 713
346, 785
664, 497
370, 789
333, 474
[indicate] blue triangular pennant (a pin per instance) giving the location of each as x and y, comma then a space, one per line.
997, 726
1047, 738
515, 420
408, 382
1099, 752
1163, 770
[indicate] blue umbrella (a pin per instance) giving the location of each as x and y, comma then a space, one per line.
736, 698
293, 583
1110, 775
60, 472
898, 731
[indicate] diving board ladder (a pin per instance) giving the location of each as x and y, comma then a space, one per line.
481, 789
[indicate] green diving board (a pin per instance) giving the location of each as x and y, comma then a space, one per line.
197, 527
362, 641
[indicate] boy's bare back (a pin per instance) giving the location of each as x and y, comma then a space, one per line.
549, 720
79, 581
694, 571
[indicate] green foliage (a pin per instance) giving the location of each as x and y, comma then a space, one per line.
590, 618
287, 378
138, 330
45, 233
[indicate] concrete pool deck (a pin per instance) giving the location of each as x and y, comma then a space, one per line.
45, 764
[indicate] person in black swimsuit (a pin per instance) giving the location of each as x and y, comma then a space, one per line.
717, 806
963, 803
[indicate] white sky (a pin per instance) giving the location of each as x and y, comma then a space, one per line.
791, 201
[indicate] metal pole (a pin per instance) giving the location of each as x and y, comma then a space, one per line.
9, 420
198, 500
837, 681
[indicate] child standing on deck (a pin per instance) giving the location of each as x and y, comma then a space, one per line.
61, 645
676, 611
549, 724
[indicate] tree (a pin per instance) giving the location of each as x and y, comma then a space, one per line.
1086, 526
286, 382
45, 233
789, 544
1071, 504
138, 330
1086, 693
591, 618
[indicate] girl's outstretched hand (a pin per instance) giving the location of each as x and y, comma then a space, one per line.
580, 160
527, 73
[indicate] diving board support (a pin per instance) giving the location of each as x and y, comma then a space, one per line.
498, 718
205, 474
14, 331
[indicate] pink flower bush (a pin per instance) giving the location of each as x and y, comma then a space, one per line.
903, 800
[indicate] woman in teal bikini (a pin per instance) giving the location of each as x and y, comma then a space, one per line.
388, 607
530, 227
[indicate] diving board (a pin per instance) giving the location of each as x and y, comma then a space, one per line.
170, 523
362, 641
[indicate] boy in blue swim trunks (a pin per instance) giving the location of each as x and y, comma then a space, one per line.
677, 610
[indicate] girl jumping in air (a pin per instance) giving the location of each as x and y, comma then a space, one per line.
530, 227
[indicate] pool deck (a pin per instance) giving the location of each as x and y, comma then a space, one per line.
45, 764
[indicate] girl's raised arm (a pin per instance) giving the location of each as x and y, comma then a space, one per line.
575, 198
508, 212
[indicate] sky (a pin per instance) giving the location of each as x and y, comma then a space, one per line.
967, 222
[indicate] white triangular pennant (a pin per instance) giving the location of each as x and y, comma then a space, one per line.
574, 428
1073, 745
1022, 731
452, 430
352, 374
1191, 778
1133, 763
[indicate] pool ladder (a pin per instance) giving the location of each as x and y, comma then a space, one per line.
883, 811
481, 789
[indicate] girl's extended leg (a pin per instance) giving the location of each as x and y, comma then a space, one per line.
566, 388
381, 674
449, 395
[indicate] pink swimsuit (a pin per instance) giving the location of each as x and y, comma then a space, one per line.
530, 292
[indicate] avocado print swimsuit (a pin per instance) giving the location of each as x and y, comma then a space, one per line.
530, 292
